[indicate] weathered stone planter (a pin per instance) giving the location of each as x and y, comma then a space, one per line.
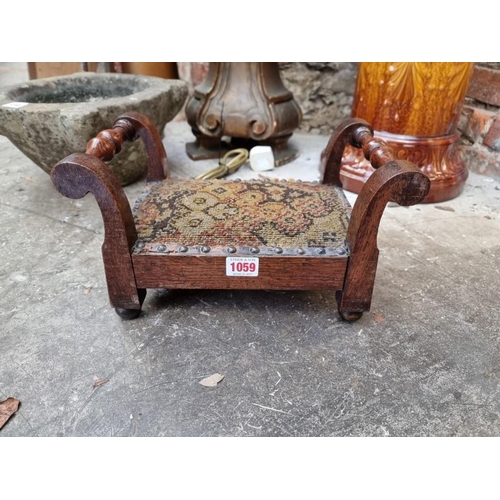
50, 118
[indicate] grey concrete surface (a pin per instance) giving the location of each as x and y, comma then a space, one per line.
424, 362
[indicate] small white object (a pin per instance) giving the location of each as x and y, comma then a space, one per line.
242, 266
213, 380
261, 158
15, 105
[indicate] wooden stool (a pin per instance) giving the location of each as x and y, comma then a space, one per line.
223, 234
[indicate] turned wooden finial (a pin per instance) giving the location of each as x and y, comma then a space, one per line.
377, 152
358, 134
109, 142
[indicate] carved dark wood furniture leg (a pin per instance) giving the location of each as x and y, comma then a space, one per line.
393, 180
239, 234
246, 101
79, 174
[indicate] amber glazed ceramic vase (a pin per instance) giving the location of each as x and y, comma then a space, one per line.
414, 107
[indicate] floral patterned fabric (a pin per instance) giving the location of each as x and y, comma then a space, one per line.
242, 213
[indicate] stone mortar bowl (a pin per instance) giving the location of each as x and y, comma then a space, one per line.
64, 113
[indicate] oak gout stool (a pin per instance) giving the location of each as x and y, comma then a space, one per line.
223, 234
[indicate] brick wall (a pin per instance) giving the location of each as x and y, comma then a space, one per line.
192, 72
323, 90
480, 121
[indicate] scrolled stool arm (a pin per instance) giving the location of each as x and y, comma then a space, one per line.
393, 180
79, 174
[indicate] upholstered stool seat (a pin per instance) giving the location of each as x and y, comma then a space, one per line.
240, 235
266, 216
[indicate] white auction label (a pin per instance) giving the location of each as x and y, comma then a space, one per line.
15, 105
242, 266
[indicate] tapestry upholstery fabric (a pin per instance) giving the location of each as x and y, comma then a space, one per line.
259, 213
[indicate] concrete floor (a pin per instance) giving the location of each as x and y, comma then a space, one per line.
424, 362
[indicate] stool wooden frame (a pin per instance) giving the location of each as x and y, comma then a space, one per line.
129, 274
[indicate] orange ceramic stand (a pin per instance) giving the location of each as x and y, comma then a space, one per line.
414, 107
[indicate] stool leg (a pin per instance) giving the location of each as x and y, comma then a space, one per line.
394, 180
123, 293
356, 296
126, 313
346, 315
79, 174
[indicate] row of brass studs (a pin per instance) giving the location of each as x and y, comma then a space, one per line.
231, 249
